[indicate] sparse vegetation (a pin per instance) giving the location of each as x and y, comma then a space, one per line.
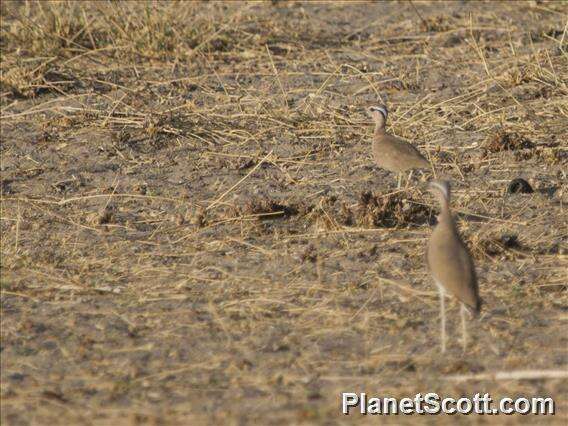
193, 230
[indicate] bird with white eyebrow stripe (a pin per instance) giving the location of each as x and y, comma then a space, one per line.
392, 153
450, 263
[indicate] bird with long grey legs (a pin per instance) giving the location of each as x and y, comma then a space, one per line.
392, 153
450, 263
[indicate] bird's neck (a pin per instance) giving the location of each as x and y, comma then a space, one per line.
379, 129
445, 215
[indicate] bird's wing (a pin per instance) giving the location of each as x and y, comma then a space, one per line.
406, 150
451, 266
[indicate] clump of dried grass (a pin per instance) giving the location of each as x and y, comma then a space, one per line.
504, 246
438, 23
504, 140
548, 155
265, 208
390, 210
372, 210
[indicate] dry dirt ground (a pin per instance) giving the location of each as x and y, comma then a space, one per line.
193, 230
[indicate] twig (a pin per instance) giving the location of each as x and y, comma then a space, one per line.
419, 15
407, 288
512, 375
284, 96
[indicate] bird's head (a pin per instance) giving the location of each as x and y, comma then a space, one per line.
379, 114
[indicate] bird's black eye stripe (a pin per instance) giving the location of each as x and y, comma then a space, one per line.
382, 110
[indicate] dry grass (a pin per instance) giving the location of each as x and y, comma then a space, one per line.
193, 230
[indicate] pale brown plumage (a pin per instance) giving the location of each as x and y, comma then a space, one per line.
391, 153
449, 260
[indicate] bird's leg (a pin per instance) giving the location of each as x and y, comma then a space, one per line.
464, 328
443, 318
408, 179
399, 180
